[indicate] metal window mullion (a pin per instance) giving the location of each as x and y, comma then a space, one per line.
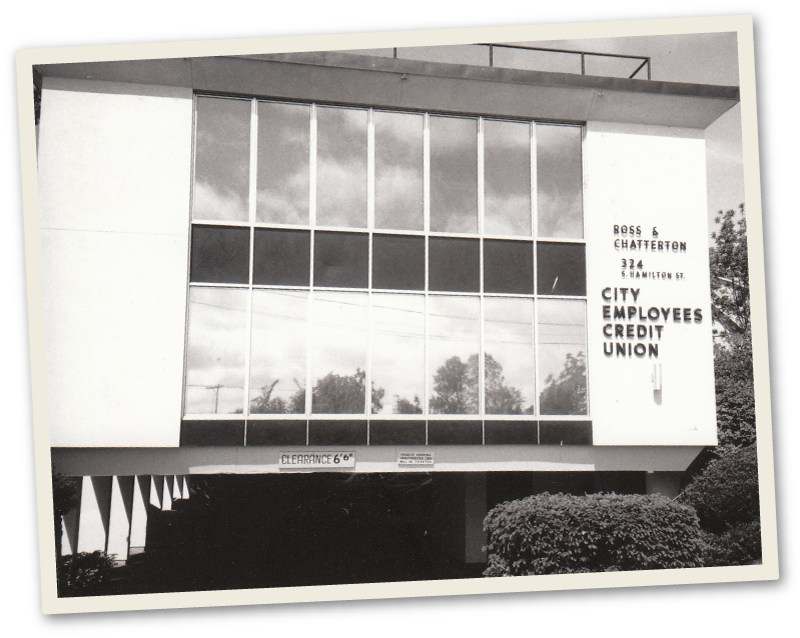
251, 216
535, 233
312, 222
426, 226
370, 228
481, 350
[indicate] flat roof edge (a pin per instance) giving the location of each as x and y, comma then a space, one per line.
497, 74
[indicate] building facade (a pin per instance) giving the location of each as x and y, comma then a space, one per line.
317, 262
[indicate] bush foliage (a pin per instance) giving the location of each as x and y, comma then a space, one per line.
725, 495
561, 534
83, 574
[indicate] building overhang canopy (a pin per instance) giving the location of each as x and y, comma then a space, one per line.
346, 78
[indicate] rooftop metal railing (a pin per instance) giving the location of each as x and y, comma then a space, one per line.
644, 61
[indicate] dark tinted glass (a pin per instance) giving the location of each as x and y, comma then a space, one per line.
561, 269
508, 266
220, 254
454, 264
281, 257
341, 259
398, 263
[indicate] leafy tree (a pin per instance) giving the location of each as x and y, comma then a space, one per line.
733, 351
65, 499
454, 392
566, 394
404, 406
336, 394
456, 388
730, 278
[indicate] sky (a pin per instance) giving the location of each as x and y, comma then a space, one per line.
703, 58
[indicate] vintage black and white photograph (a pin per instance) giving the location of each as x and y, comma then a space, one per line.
464, 311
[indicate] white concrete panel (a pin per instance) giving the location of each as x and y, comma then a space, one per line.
156, 491
114, 181
166, 502
141, 497
94, 510
120, 515
185, 487
69, 532
114, 329
116, 163
653, 180
176, 488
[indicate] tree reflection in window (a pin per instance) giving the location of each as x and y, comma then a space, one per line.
562, 362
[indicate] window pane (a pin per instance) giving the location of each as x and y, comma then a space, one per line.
278, 352
508, 266
222, 160
398, 263
341, 167
561, 355
281, 257
559, 181
454, 264
398, 170
217, 340
507, 178
508, 357
453, 346
561, 269
220, 254
341, 260
398, 353
339, 353
283, 173
454, 175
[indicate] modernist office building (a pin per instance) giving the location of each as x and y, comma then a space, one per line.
338, 262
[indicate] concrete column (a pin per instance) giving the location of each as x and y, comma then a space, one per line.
94, 511
177, 488
166, 501
185, 486
474, 513
666, 483
141, 497
156, 491
69, 532
119, 521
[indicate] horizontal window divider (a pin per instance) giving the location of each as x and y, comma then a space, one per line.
300, 418
337, 417
455, 417
394, 231
211, 284
421, 418
277, 226
527, 238
361, 230
455, 235
213, 417
282, 287
560, 240
510, 295
217, 222
512, 417
576, 297
564, 417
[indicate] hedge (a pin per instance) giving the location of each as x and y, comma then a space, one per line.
725, 495
562, 534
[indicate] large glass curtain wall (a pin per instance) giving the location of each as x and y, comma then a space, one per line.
353, 261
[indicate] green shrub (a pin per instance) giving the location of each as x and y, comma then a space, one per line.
738, 546
83, 574
561, 534
725, 495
